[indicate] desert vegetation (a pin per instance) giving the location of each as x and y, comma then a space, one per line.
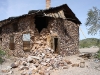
89, 42
2, 54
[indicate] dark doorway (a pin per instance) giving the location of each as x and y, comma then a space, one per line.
56, 45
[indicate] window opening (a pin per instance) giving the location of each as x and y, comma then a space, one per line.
15, 27
11, 44
26, 41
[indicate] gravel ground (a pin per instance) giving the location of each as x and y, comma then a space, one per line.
77, 71
92, 67
89, 50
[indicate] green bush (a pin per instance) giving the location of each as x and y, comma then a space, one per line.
1, 60
2, 54
97, 55
89, 42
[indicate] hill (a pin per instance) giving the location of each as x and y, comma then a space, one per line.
89, 42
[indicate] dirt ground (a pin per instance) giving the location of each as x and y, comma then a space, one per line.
92, 66
89, 50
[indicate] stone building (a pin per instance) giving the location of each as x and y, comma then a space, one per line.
55, 28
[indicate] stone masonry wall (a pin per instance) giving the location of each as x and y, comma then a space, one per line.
68, 36
66, 32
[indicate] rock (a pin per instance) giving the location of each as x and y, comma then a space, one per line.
41, 72
96, 60
68, 61
24, 72
36, 57
47, 73
49, 68
18, 62
48, 60
24, 63
14, 65
43, 54
75, 65
61, 63
82, 64
86, 55
43, 63
9, 73
65, 67
32, 67
34, 71
30, 59
5, 70
55, 65
23, 68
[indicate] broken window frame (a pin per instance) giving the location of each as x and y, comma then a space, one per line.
26, 40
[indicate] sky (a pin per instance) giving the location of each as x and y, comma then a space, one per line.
11, 8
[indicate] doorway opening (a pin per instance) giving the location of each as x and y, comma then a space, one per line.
56, 45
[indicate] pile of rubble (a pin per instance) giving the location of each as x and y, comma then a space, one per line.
40, 63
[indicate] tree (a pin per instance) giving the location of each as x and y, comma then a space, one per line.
93, 21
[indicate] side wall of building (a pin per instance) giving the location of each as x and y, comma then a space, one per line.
68, 36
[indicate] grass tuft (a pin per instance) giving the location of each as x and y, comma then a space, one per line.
97, 55
2, 54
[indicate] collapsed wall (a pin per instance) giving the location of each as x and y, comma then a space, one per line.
60, 36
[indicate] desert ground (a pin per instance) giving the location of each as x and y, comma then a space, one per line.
91, 66
89, 50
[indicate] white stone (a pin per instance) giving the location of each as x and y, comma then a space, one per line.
43, 63
38, 42
36, 57
32, 67
43, 54
29, 58
47, 60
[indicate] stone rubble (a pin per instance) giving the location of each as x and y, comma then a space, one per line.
40, 63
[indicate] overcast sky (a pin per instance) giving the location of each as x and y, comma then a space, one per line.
9, 8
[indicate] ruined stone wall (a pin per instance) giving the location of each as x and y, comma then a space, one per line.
66, 32
68, 36
24, 25
72, 44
